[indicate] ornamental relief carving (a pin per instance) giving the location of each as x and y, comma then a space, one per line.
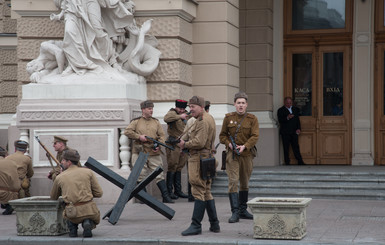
86, 115
277, 227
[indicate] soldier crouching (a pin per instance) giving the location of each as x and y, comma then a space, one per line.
78, 186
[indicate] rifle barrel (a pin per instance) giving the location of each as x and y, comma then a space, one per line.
46, 150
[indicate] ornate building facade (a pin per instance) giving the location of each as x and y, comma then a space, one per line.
322, 53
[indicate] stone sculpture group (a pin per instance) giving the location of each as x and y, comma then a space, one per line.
101, 42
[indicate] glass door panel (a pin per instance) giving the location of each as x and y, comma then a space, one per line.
302, 83
333, 80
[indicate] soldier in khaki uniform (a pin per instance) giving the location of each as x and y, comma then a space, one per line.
200, 144
244, 129
78, 186
176, 122
60, 145
24, 167
143, 126
9, 182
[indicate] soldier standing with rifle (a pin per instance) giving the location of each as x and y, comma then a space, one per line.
24, 167
137, 130
240, 132
200, 143
176, 122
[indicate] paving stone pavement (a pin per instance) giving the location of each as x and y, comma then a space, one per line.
328, 222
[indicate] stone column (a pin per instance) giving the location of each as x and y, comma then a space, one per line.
173, 29
216, 51
125, 151
8, 69
362, 102
257, 34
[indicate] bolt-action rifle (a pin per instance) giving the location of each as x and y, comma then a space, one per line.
49, 154
157, 143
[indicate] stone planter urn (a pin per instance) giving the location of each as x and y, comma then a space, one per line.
279, 218
39, 216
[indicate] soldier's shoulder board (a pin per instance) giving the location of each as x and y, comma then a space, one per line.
155, 118
230, 114
136, 118
251, 115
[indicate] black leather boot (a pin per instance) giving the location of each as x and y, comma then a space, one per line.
73, 228
170, 181
243, 213
234, 203
8, 209
163, 190
87, 227
213, 218
178, 185
198, 213
190, 196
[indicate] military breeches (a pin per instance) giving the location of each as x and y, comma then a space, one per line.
239, 171
86, 211
152, 163
200, 189
175, 159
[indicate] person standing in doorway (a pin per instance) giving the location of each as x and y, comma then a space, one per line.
290, 128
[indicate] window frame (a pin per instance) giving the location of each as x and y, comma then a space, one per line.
288, 4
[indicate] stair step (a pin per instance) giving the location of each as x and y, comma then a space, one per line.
357, 183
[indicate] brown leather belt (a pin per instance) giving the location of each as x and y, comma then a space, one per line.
80, 203
7, 189
193, 151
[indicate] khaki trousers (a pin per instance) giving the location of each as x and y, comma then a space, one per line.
152, 163
175, 159
200, 189
239, 171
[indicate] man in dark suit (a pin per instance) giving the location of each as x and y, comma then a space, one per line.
290, 128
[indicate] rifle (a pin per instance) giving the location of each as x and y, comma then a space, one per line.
157, 143
234, 146
172, 140
49, 153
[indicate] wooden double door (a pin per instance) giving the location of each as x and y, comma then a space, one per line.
318, 78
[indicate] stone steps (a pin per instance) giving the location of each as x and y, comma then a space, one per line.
314, 182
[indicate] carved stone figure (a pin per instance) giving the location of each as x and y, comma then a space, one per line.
140, 56
51, 57
100, 36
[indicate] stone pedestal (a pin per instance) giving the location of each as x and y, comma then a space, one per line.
90, 115
39, 216
279, 218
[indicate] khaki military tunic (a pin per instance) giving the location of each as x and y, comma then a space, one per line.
79, 186
175, 159
150, 127
24, 169
240, 168
200, 142
9, 181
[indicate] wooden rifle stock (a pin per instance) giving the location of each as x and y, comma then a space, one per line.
48, 152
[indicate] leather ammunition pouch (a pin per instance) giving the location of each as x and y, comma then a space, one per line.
207, 167
25, 183
254, 151
70, 211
